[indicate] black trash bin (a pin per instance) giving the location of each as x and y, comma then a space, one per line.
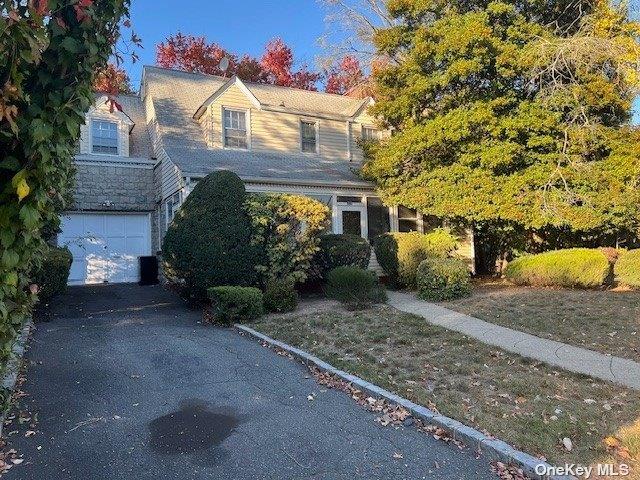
148, 270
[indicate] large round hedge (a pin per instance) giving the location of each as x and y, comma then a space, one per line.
573, 267
627, 269
341, 250
208, 244
399, 254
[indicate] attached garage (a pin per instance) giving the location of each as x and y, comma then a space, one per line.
105, 246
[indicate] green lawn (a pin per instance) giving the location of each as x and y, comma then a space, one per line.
607, 321
525, 403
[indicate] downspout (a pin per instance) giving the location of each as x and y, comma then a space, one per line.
349, 154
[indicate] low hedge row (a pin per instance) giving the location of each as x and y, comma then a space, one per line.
399, 254
52, 274
355, 287
574, 267
280, 296
443, 279
627, 269
231, 304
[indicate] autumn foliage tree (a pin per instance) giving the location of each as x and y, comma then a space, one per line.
196, 55
112, 80
344, 76
49, 53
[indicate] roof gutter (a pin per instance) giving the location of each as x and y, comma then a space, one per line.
303, 183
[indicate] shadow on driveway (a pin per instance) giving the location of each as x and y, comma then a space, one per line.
128, 384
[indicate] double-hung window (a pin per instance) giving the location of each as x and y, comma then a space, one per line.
173, 203
408, 219
309, 136
370, 134
104, 137
235, 129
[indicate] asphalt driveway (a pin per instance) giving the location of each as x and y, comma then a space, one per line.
128, 384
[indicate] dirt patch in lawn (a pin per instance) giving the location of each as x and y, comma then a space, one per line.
607, 321
526, 403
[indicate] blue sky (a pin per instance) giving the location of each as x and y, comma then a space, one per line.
241, 26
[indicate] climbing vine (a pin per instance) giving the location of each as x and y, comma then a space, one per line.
49, 51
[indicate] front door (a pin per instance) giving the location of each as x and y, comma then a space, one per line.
352, 219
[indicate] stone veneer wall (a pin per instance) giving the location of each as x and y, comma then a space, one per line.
115, 188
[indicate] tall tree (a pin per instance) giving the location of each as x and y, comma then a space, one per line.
49, 51
112, 80
195, 54
344, 76
277, 62
511, 114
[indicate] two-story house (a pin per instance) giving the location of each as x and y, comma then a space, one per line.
137, 164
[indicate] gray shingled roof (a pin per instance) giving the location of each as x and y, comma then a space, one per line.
176, 97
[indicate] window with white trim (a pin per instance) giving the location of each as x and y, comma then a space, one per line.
309, 136
408, 219
172, 205
235, 129
104, 137
370, 134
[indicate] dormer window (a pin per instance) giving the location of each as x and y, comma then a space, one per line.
309, 136
235, 129
370, 134
104, 137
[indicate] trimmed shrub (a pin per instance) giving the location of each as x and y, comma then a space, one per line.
342, 250
53, 273
287, 229
399, 254
231, 304
208, 244
443, 279
574, 267
280, 296
355, 287
627, 268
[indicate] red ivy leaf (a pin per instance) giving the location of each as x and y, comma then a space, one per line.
81, 9
61, 23
41, 7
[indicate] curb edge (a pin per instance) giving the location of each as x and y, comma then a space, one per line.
13, 366
496, 449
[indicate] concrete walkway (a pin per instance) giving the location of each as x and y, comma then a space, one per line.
580, 360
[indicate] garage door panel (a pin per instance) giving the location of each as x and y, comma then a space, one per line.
93, 225
136, 226
136, 245
115, 225
78, 271
105, 247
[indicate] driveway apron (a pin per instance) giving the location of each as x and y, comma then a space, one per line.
127, 383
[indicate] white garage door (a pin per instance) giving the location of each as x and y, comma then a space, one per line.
105, 246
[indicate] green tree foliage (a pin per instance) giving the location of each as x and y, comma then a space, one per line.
511, 114
208, 244
287, 229
49, 51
